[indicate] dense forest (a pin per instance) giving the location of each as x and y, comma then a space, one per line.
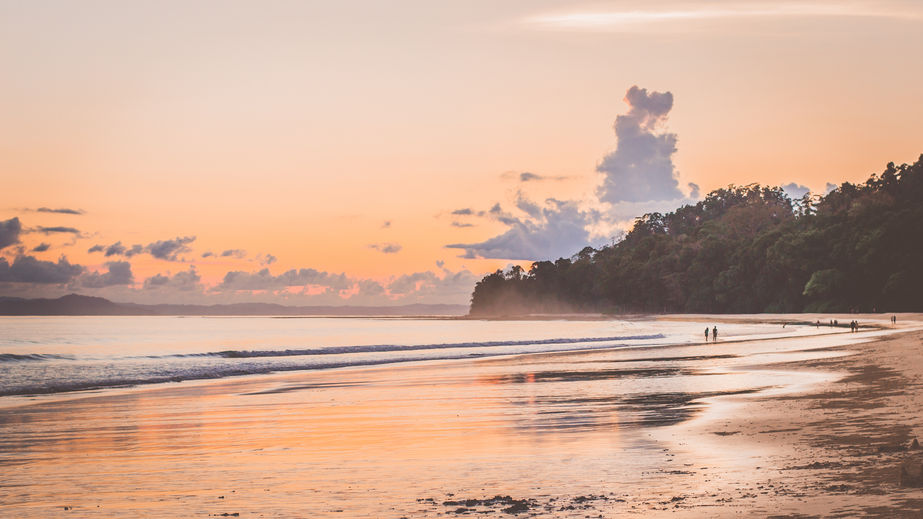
742, 250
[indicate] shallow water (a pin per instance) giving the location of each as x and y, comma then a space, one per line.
378, 441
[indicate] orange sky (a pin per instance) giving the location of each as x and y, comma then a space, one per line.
298, 129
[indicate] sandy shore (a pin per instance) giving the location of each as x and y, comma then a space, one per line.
832, 451
832, 448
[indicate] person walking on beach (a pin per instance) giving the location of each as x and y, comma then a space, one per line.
714, 334
706, 334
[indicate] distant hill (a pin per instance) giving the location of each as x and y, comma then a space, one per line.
743, 249
75, 304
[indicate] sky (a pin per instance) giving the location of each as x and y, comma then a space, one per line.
383, 153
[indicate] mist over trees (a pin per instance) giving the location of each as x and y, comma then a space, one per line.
742, 249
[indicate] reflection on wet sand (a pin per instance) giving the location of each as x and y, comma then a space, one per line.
379, 441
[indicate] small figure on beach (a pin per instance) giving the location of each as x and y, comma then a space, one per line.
714, 334
706, 334
893, 319
818, 323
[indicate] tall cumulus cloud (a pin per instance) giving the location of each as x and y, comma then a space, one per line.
641, 167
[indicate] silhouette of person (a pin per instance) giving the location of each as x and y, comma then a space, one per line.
714, 333
706, 334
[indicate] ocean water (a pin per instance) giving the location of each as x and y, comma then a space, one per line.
48, 355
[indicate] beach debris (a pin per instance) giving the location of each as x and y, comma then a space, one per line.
912, 472
914, 445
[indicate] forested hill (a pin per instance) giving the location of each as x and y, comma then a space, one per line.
742, 250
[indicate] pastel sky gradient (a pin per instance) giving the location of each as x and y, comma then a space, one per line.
367, 152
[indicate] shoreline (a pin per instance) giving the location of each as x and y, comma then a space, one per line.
686, 430
54, 394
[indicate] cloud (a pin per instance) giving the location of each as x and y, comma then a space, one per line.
116, 249
119, 273
386, 248
527, 206
9, 232
693, 190
184, 281
462, 224
234, 253
829, 187
52, 230
795, 191
264, 280
59, 211
639, 19
267, 259
463, 212
28, 269
42, 247
165, 249
208, 254
557, 229
169, 249
527, 176
386, 224
641, 167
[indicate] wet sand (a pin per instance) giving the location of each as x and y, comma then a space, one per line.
793, 427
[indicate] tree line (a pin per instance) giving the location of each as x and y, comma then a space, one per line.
743, 249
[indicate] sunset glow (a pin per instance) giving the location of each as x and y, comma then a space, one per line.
394, 154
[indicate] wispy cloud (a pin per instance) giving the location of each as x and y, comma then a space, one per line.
52, 230
387, 248
628, 19
62, 210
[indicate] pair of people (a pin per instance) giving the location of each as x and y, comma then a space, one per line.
714, 334
854, 326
